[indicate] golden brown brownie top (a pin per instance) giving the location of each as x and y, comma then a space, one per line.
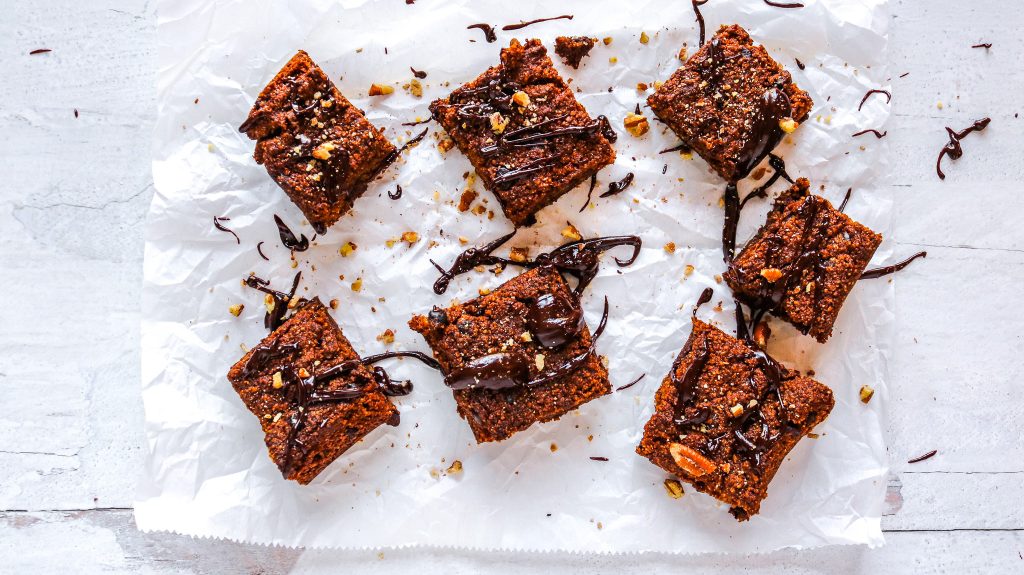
315, 144
521, 127
727, 415
803, 262
728, 100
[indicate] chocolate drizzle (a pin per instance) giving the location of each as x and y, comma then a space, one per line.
781, 5
590, 192
554, 319
705, 297
521, 25
632, 383
800, 64
682, 148
217, 224
884, 271
397, 193
619, 186
700, 19
877, 134
846, 199
921, 458
503, 370
281, 301
487, 29
578, 259
765, 131
953, 148
288, 237
418, 73
39, 51
390, 159
778, 166
888, 97
732, 221
985, 45
259, 250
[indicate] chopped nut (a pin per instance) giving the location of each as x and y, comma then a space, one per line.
644, 38
380, 90
357, 285
410, 237
303, 372
268, 302
479, 210
526, 336
670, 248
334, 304
463, 240
736, 410
636, 124
387, 337
519, 255
538, 360
613, 60
278, 380
682, 54
278, 416
483, 291
521, 98
570, 232
761, 334
416, 89
641, 87
554, 448
236, 310
674, 488
688, 270
390, 242
445, 144
607, 40
788, 125
866, 393
690, 460
455, 468
323, 151
771, 274
346, 249
658, 84
498, 123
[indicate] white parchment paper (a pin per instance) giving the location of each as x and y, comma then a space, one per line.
208, 472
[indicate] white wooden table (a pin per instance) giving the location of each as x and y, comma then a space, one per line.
73, 198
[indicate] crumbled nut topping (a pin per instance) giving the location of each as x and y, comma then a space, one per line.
570, 232
455, 468
380, 90
674, 488
771, 274
334, 304
410, 237
278, 380
498, 123
644, 38
236, 309
387, 337
636, 124
670, 248
346, 249
323, 151
788, 125
538, 360
521, 98
736, 410
357, 285
866, 393
519, 255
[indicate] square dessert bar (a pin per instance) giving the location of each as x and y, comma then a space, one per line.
309, 422
731, 103
502, 340
803, 262
527, 137
314, 143
727, 415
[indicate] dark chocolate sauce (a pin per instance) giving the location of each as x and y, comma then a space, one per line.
800, 64
288, 237
682, 147
765, 131
705, 297
778, 166
275, 317
554, 319
418, 73
953, 148
921, 458
781, 5
598, 458
419, 123
470, 259
632, 383
397, 193
846, 199
686, 386
590, 192
487, 29
259, 250
508, 175
217, 224
521, 25
884, 271
39, 51
390, 159
512, 369
877, 134
888, 97
76, 112
527, 136
732, 221
985, 45
619, 186
700, 19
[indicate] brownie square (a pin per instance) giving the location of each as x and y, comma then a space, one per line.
309, 423
803, 262
727, 415
500, 324
521, 127
314, 143
731, 103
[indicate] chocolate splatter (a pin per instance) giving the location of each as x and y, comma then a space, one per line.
418, 73
521, 25
876, 133
217, 224
781, 5
297, 244
800, 64
985, 45
953, 148
921, 458
682, 148
888, 97
619, 186
598, 458
397, 193
632, 383
487, 29
259, 249
590, 192
39, 51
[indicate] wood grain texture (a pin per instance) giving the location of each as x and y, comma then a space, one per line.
74, 196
